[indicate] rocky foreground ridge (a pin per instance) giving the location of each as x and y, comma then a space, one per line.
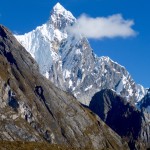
69, 62
123, 117
33, 109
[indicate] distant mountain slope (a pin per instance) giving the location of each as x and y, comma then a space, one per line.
33, 109
69, 62
144, 104
123, 118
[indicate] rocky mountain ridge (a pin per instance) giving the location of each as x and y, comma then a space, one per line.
33, 109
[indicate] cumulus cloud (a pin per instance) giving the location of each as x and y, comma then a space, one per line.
103, 27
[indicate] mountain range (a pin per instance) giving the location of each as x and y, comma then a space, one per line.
70, 63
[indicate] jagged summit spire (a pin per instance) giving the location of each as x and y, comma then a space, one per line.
59, 9
60, 17
58, 6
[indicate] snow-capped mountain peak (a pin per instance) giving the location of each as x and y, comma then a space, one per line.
58, 6
60, 17
69, 61
59, 9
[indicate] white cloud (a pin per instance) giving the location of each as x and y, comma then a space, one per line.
103, 27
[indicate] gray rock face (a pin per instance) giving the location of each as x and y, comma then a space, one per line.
144, 104
123, 118
33, 109
69, 62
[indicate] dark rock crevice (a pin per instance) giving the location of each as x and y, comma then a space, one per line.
39, 91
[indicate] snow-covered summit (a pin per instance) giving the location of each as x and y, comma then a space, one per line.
43, 42
59, 9
69, 61
60, 17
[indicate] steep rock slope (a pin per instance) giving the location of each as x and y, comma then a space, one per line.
69, 62
33, 109
123, 118
144, 104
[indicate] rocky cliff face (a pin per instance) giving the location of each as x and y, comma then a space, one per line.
144, 104
123, 118
69, 62
33, 109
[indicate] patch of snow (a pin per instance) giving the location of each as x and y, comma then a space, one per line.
141, 92
78, 52
105, 71
47, 75
76, 94
113, 90
88, 88
58, 35
121, 85
73, 88
70, 83
66, 73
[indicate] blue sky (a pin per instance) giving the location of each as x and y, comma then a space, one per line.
133, 52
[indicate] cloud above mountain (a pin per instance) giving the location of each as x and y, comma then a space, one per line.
103, 27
